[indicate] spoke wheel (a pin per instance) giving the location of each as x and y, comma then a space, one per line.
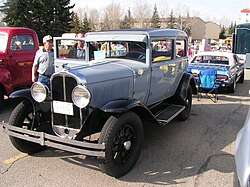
123, 138
22, 116
184, 115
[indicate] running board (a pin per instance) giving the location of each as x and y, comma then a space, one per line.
168, 114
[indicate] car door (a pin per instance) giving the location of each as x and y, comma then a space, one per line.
22, 52
163, 69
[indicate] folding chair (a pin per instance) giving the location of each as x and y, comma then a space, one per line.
207, 85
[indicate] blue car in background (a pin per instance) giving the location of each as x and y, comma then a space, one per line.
227, 65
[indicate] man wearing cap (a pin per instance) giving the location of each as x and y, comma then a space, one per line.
78, 50
43, 66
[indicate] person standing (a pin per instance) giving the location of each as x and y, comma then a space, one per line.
78, 50
43, 66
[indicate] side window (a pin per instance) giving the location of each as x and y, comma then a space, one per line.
181, 48
22, 42
162, 50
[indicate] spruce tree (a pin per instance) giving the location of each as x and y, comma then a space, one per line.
127, 22
155, 23
76, 23
85, 24
171, 23
44, 16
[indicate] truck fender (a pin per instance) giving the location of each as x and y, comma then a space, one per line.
6, 81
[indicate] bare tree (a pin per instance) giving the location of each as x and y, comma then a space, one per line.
94, 19
163, 10
142, 13
183, 19
112, 16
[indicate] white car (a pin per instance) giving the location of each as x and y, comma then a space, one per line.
227, 65
242, 154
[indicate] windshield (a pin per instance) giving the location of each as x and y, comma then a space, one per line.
3, 41
211, 59
242, 41
118, 49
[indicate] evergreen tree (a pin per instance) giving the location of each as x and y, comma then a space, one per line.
222, 33
231, 28
171, 23
75, 24
127, 22
155, 23
44, 16
85, 24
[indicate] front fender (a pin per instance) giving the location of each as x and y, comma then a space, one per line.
124, 105
26, 94
6, 80
121, 105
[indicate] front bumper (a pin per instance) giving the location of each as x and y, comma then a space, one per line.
44, 139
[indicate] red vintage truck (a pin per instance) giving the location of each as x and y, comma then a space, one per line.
17, 52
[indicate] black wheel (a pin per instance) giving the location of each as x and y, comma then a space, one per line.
232, 87
123, 136
1, 99
241, 80
184, 115
22, 116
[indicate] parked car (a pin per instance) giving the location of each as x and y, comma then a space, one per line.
98, 108
230, 70
17, 52
242, 154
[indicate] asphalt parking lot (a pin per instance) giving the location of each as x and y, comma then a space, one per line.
197, 152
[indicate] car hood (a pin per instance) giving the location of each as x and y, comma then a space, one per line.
106, 80
105, 70
195, 68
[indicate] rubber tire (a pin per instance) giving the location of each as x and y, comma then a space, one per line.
184, 115
110, 132
17, 117
1, 99
241, 80
232, 87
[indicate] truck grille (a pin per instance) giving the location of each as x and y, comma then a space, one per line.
62, 86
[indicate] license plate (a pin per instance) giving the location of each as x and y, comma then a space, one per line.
63, 108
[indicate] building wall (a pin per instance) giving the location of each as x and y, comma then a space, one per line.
198, 28
201, 29
212, 30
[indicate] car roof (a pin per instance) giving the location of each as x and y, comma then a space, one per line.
215, 53
152, 32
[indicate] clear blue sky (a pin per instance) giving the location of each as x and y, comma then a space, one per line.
214, 10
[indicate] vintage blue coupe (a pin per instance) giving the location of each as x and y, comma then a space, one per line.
227, 65
98, 108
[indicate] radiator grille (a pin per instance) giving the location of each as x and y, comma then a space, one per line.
62, 86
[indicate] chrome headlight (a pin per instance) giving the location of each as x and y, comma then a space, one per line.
39, 92
80, 96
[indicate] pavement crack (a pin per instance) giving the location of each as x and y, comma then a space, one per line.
7, 169
203, 167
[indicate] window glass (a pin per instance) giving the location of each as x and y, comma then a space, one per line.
132, 50
3, 41
162, 50
211, 59
22, 42
180, 48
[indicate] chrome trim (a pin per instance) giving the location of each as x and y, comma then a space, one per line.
64, 73
49, 140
